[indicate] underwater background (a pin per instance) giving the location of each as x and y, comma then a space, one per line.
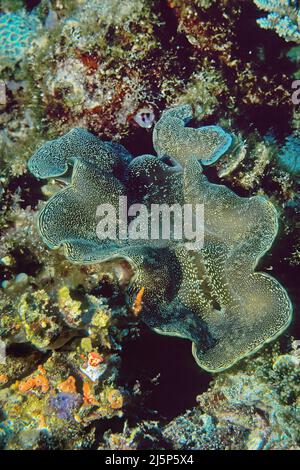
81, 363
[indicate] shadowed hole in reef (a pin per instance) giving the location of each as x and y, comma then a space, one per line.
26, 261
276, 264
26, 188
180, 378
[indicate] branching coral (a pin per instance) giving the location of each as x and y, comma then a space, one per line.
210, 295
283, 17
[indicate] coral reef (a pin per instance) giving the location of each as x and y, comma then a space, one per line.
256, 407
283, 17
100, 67
223, 326
289, 156
220, 45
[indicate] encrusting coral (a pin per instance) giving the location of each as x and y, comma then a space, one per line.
218, 45
283, 17
210, 295
254, 407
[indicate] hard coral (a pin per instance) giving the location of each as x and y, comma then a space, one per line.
228, 59
41, 391
210, 295
16, 33
101, 65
